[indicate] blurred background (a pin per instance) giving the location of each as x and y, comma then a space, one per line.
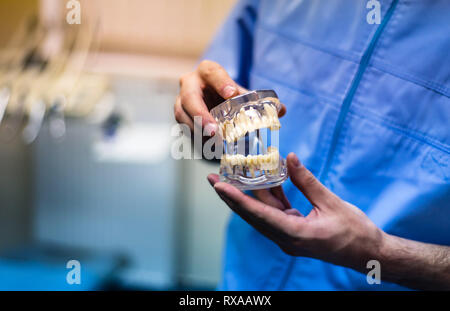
85, 166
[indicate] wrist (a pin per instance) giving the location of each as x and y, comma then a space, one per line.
385, 248
371, 247
386, 255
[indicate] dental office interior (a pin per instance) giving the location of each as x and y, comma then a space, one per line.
87, 179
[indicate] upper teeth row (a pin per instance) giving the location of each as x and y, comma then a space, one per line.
247, 121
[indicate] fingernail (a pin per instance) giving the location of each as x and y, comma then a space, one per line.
295, 160
210, 129
229, 91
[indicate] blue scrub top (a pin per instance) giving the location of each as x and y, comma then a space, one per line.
368, 113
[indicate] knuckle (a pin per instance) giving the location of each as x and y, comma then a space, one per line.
204, 64
208, 68
308, 179
177, 114
184, 78
181, 80
188, 101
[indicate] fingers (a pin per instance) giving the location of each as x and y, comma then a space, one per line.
216, 76
309, 185
256, 212
191, 100
209, 78
180, 114
294, 212
267, 197
282, 111
213, 179
279, 194
274, 196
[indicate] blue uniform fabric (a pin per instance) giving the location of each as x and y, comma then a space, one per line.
368, 113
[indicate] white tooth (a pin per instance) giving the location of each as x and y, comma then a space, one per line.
251, 159
230, 131
236, 128
263, 163
241, 160
243, 121
256, 161
246, 121
231, 134
267, 109
265, 121
272, 110
243, 118
266, 161
240, 130
225, 129
257, 122
237, 161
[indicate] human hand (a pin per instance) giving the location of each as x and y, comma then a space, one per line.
334, 230
202, 90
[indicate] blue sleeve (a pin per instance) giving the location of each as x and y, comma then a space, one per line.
232, 46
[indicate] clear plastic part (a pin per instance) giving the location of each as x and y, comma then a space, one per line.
249, 127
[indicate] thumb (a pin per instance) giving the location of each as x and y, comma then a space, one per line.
308, 184
217, 77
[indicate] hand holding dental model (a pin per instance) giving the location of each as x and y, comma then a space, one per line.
249, 127
203, 89
334, 231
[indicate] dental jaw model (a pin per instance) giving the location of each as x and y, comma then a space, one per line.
249, 127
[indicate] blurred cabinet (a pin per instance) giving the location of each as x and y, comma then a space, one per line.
206, 221
15, 199
162, 214
109, 202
